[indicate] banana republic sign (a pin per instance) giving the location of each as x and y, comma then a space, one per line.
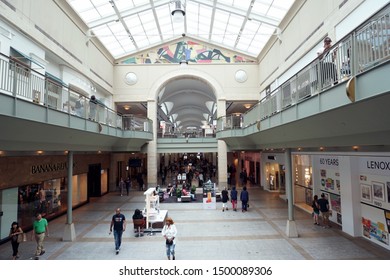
49, 167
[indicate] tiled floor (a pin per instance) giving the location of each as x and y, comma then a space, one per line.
258, 234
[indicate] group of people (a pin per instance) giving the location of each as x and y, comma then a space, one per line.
321, 206
125, 184
244, 197
39, 232
118, 227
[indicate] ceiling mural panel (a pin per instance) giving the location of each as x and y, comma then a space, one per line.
187, 51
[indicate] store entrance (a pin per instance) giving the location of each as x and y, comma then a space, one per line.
94, 182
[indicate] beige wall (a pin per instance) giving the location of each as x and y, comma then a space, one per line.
152, 77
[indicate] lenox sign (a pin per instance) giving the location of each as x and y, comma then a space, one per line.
375, 165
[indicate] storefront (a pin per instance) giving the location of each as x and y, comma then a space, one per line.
35, 184
302, 180
356, 186
274, 179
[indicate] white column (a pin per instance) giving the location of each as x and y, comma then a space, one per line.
350, 195
222, 148
69, 230
152, 145
291, 229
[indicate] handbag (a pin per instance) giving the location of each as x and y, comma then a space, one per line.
169, 242
21, 238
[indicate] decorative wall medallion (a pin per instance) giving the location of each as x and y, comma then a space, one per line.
241, 76
131, 78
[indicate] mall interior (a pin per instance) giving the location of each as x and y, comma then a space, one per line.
198, 94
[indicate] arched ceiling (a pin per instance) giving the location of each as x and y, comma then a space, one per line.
190, 103
184, 102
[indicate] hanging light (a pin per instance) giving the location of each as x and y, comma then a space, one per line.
178, 13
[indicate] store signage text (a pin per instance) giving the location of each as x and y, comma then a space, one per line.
329, 161
49, 167
381, 165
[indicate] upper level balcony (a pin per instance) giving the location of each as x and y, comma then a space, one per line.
339, 99
49, 115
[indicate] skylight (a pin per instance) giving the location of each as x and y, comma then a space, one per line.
126, 27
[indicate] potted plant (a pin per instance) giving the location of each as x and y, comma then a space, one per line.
193, 189
178, 193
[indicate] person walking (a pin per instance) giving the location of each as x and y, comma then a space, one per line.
122, 186
118, 222
40, 231
128, 185
169, 232
225, 199
316, 210
233, 197
244, 196
16, 235
324, 208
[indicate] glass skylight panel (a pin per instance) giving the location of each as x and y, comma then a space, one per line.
197, 21
143, 42
155, 38
217, 36
98, 3
204, 30
90, 15
132, 22
255, 49
123, 5
260, 8
276, 13
105, 10
226, 2
242, 4
80, 6
104, 34
192, 27
244, 43
124, 42
117, 29
235, 23
230, 40
221, 17
166, 31
266, 30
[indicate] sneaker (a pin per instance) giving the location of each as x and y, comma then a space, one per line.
173, 257
223, 210
42, 252
227, 209
117, 252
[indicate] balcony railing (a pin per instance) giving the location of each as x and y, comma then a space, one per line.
361, 50
22, 82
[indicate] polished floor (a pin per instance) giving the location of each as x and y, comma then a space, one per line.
258, 234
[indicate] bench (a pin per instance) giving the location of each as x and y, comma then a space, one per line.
185, 198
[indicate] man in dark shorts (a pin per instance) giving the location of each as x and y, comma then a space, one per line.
324, 208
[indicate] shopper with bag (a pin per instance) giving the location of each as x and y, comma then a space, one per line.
16, 235
169, 232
